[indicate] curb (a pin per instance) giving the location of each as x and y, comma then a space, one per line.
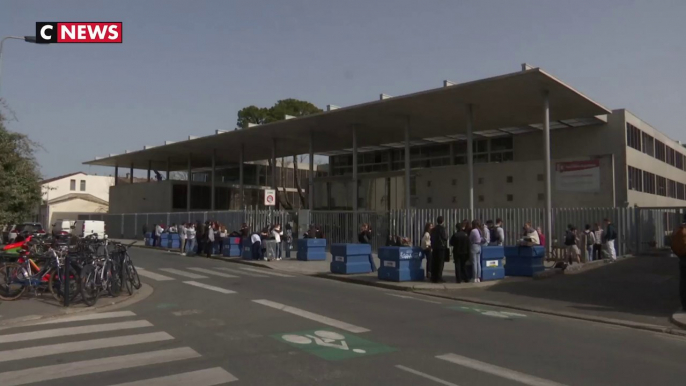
121, 301
214, 257
679, 318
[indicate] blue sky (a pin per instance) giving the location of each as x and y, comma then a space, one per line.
187, 67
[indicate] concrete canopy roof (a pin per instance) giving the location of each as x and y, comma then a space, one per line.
499, 103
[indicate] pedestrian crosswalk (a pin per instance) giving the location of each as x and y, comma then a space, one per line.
205, 273
28, 357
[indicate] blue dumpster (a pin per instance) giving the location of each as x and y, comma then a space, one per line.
351, 258
311, 249
401, 264
524, 260
492, 263
232, 247
247, 249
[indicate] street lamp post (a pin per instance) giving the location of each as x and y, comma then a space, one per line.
28, 39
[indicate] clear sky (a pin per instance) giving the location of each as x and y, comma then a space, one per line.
187, 67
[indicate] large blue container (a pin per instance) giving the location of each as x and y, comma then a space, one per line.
174, 236
492, 263
351, 258
311, 249
174, 244
401, 264
231, 250
247, 251
524, 260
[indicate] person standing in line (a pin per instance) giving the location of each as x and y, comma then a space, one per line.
541, 236
191, 242
277, 233
609, 239
289, 239
460, 244
145, 230
598, 245
256, 246
425, 244
182, 239
439, 250
153, 234
500, 232
209, 239
476, 239
588, 242
571, 247
200, 236
486, 234
172, 228
365, 237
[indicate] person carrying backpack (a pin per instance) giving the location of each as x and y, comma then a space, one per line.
678, 245
572, 248
589, 242
496, 232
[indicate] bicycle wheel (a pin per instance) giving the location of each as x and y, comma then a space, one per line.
113, 280
133, 274
57, 283
125, 281
90, 285
12, 279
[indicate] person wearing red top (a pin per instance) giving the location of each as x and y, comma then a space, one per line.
541, 236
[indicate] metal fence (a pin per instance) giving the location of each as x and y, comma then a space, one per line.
639, 229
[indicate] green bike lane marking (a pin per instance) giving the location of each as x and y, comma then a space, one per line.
332, 345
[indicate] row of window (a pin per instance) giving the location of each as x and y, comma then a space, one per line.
645, 143
72, 185
642, 181
426, 156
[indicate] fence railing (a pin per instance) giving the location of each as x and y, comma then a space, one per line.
639, 229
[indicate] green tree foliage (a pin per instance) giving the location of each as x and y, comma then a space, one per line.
20, 191
278, 112
252, 114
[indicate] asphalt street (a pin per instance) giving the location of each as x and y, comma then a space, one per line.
212, 323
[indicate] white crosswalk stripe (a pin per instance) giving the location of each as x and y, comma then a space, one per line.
79, 318
208, 377
179, 272
209, 287
266, 272
237, 272
134, 351
211, 272
153, 275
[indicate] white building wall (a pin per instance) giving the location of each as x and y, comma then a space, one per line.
98, 186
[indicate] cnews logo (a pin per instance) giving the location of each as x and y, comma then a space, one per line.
78, 32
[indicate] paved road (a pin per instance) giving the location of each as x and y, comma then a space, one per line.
212, 323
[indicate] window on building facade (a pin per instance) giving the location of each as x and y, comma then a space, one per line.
635, 179
83, 185
648, 144
679, 161
671, 188
680, 193
661, 183
633, 136
72, 185
510, 197
649, 182
671, 156
660, 151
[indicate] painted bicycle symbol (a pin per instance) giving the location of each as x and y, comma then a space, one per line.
322, 338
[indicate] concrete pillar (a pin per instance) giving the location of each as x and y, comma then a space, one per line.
356, 190
188, 185
310, 180
470, 158
274, 164
548, 198
241, 188
116, 175
212, 185
131, 174
408, 224
168, 167
149, 167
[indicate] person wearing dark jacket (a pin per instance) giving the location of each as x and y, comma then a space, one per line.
460, 244
609, 237
439, 250
200, 230
365, 237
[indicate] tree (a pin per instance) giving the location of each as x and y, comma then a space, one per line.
278, 112
20, 190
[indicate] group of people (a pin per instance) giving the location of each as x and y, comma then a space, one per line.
192, 236
466, 245
258, 244
593, 241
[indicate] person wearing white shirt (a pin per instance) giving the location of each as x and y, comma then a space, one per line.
190, 239
256, 246
277, 233
476, 239
182, 238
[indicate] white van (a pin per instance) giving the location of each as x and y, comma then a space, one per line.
84, 228
62, 228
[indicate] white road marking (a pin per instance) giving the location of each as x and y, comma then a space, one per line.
186, 312
266, 272
240, 272
413, 298
497, 370
67, 331
209, 287
312, 316
427, 376
63, 348
152, 275
93, 366
208, 377
179, 272
211, 272
79, 318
